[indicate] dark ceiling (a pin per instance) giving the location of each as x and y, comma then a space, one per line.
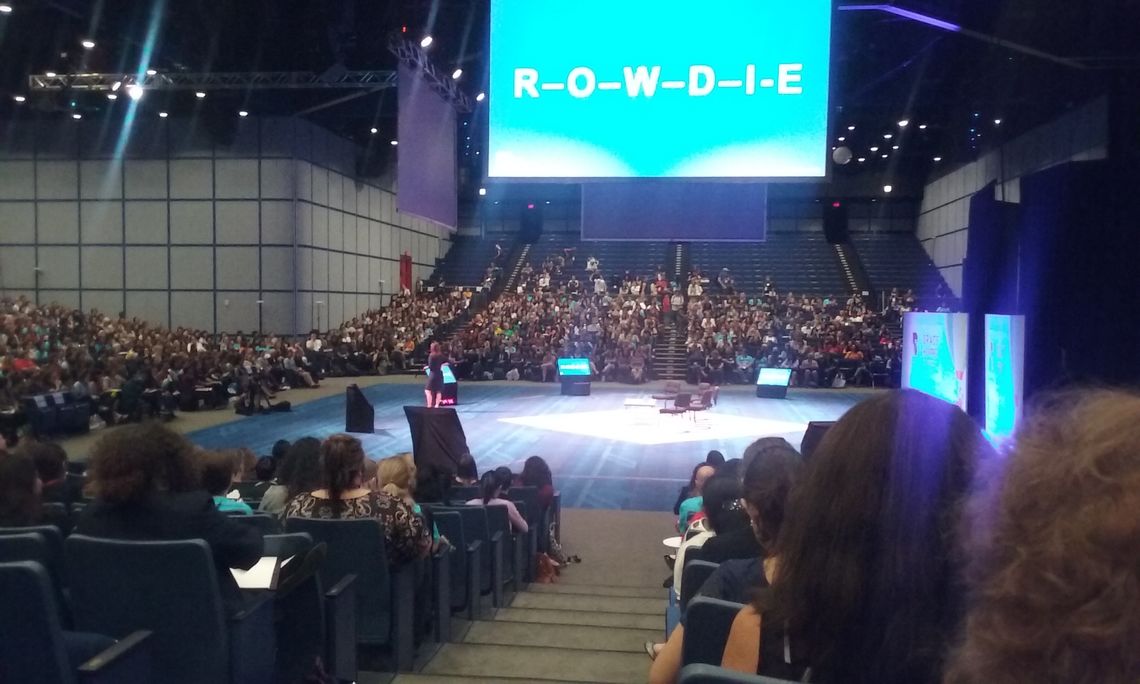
886, 68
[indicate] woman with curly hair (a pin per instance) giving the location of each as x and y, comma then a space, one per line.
1054, 574
868, 583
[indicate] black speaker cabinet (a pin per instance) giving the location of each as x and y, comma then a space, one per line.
359, 416
576, 388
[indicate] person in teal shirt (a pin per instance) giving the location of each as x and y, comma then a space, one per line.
692, 505
219, 471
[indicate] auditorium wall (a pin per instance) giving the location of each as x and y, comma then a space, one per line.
1079, 135
258, 226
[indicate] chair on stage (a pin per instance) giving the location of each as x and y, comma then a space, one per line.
706, 401
680, 405
672, 389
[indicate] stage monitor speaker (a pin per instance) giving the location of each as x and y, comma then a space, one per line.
576, 388
835, 221
359, 416
816, 429
438, 441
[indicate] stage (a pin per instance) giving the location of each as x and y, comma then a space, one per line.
603, 454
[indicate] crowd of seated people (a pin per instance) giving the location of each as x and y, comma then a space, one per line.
907, 550
826, 341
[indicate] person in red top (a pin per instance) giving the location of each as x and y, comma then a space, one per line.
536, 473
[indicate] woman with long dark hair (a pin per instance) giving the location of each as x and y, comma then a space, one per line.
491, 490
433, 391
344, 495
299, 472
868, 587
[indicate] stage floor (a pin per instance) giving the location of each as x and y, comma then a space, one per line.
603, 454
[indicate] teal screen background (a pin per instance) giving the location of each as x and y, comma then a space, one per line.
725, 134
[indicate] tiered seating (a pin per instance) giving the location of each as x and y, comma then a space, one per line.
803, 264
898, 261
467, 261
615, 258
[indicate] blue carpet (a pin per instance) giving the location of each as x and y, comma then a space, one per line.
591, 471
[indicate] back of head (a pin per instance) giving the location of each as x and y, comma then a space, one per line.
536, 473
342, 464
19, 495
722, 502
505, 476
280, 448
761, 445
265, 469
700, 476
1053, 545
301, 469
49, 457
135, 461
767, 482
489, 486
216, 470
714, 458
397, 474
466, 469
869, 558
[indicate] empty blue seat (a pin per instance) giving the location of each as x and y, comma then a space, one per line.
464, 564
709, 674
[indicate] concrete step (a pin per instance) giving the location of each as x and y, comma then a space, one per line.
597, 590
538, 616
537, 664
591, 604
582, 637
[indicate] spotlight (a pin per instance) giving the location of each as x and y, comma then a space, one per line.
850, 128
49, 74
20, 98
116, 85
199, 94
480, 97
77, 116
426, 42
88, 44
903, 123
162, 115
874, 149
938, 159
5, 9
482, 192
862, 159
151, 72
887, 188
456, 74
395, 142
374, 130
888, 136
243, 113
135, 92
997, 122
894, 147
922, 127
112, 96
842, 138
885, 156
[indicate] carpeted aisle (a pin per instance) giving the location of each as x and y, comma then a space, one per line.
587, 627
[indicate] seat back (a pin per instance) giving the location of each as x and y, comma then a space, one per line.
683, 400
529, 497
693, 577
167, 587
707, 398
450, 525
463, 494
499, 520
50, 554
475, 527
709, 674
31, 639
707, 624
287, 545
356, 547
265, 523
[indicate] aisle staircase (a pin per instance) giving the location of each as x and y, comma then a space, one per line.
669, 354
588, 627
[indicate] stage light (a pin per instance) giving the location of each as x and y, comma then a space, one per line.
888, 136
480, 97
199, 94
456, 74
850, 128
151, 72
5, 9
530, 206
482, 192
49, 74
938, 159
162, 115
394, 143
862, 159
20, 98
88, 44
874, 149
997, 122
842, 138
887, 189
373, 130
116, 85
922, 127
243, 113
894, 147
904, 123
426, 42
135, 92
548, 201
77, 116
885, 156
112, 96
836, 205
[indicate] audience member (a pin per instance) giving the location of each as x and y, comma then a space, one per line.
343, 494
219, 471
299, 472
1052, 547
51, 464
146, 488
536, 473
869, 559
720, 504
467, 473
20, 489
692, 505
491, 487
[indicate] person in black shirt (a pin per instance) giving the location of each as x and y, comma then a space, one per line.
51, 464
433, 391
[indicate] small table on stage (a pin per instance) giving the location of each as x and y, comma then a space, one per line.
644, 406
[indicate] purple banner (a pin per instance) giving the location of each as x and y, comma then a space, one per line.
675, 210
425, 167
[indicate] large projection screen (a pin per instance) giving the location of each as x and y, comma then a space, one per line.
594, 89
935, 355
425, 167
1005, 374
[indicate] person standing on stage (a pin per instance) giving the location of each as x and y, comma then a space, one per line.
433, 391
